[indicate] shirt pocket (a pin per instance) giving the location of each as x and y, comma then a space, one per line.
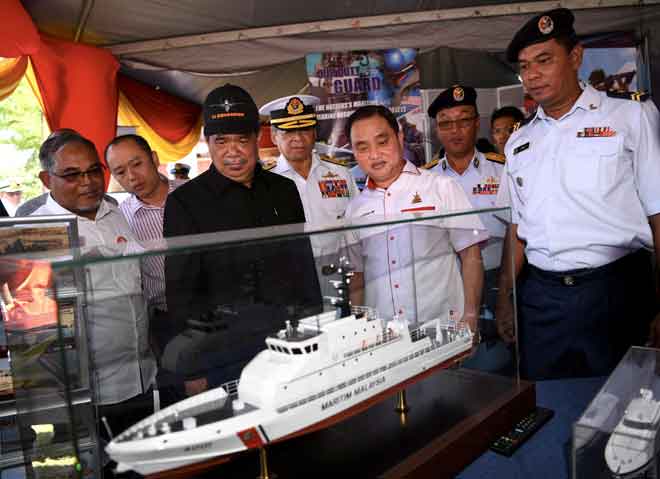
523, 178
593, 165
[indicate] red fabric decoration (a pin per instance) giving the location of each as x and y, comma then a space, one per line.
78, 88
171, 117
18, 34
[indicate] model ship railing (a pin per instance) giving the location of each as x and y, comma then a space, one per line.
231, 388
387, 337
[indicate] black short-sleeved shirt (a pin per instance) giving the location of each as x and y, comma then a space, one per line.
264, 283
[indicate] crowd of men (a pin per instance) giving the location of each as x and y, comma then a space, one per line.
579, 176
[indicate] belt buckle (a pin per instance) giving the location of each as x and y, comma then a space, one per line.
568, 280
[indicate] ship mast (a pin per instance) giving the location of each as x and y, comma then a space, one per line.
345, 271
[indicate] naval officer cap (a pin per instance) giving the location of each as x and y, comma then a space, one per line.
541, 28
458, 95
230, 110
294, 112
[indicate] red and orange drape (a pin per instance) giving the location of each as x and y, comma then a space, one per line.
79, 87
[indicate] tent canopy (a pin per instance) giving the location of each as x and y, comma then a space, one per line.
188, 47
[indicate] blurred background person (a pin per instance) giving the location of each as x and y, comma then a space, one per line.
502, 122
11, 193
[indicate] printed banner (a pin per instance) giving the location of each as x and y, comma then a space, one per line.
345, 81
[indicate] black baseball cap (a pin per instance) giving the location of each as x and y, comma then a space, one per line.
458, 95
541, 28
230, 109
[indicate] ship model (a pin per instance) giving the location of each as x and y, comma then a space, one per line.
631, 451
312, 375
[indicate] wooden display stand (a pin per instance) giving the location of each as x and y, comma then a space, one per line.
452, 418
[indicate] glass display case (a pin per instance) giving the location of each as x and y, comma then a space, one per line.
182, 353
616, 435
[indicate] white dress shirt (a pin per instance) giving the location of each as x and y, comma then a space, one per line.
481, 181
117, 322
411, 269
581, 187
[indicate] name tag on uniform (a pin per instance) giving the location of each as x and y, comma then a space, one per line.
521, 148
596, 132
332, 188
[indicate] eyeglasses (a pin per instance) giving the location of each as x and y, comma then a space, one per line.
94, 173
460, 123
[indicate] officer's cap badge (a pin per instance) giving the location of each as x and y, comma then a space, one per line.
295, 106
546, 25
459, 94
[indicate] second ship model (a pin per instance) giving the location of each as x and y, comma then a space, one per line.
631, 451
310, 376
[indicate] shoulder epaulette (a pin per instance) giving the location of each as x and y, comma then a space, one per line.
519, 124
430, 164
269, 164
333, 160
629, 95
495, 157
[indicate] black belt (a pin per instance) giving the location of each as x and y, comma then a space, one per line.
579, 276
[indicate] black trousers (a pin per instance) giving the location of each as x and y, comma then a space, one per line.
580, 323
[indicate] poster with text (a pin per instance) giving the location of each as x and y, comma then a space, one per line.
345, 81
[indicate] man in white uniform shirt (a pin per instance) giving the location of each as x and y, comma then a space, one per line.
582, 180
325, 187
456, 119
410, 270
121, 360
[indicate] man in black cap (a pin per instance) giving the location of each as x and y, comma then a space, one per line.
260, 285
581, 179
456, 118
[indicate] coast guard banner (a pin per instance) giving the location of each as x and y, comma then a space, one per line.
345, 81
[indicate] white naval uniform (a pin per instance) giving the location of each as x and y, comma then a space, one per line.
326, 191
481, 181
325, 194
581, 187
411, 269
117, 322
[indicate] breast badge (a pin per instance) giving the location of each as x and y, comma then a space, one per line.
489, 187
596, 132
332, 186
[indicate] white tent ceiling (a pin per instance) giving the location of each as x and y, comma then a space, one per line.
190, 46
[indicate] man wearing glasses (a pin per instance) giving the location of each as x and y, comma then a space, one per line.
456, 119
117, 323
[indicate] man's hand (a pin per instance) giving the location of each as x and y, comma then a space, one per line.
196, 386
504, 318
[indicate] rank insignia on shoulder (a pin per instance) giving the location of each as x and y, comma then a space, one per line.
430, 164
269, 164
416, 198
629, 95
333, 160
495, 157
520, 148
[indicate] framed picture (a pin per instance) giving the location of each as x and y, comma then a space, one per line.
36, 299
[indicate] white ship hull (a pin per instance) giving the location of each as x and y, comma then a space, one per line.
355, 379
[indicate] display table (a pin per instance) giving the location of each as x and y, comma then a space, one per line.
547, 453
454, 415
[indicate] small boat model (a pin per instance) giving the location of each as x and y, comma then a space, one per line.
632, 448
310, 376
